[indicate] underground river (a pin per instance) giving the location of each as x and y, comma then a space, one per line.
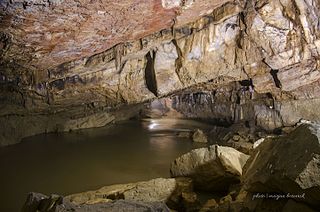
84, 160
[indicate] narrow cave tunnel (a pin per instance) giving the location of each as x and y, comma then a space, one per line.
152, 107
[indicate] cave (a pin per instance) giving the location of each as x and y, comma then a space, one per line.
160, 105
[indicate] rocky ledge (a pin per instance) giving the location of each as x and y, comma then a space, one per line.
281, 174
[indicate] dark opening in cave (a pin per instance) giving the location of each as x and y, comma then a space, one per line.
269, 95
274, 74
150, 75
247, 82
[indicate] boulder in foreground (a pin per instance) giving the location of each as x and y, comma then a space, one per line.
213, 168
288, 165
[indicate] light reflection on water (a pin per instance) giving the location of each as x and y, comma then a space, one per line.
89, 159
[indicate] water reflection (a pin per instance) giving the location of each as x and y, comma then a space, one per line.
175, 125
162, 143
85, 160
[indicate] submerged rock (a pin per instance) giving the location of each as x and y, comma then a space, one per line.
288, 165
212, 168
184, 134
199, 137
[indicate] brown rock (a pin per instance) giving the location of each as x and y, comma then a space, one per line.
288, 164
199, 137
242, 146
213, 168
156, 190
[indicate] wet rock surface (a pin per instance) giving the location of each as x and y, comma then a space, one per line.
156, 190
153, 195
288, 164
72, 30
213, 168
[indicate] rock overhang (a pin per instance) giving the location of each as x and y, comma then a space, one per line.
274, 45
43, 34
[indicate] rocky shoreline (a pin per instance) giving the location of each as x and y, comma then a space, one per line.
280, 174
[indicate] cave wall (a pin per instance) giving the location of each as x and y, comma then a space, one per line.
170, 46
236, 102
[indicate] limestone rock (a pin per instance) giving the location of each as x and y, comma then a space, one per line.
242, 146
212, 168
156, 190
258, 142
16, 127
272, 48
199, 136
59, 204
169, 4
81, 26
165, 69
288, 164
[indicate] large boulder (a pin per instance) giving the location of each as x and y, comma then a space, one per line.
287, 165
211, 168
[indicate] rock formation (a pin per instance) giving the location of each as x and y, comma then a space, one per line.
152, 195
67, 57
54, 203
212, 169
199, 136
287, 165
156, 190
